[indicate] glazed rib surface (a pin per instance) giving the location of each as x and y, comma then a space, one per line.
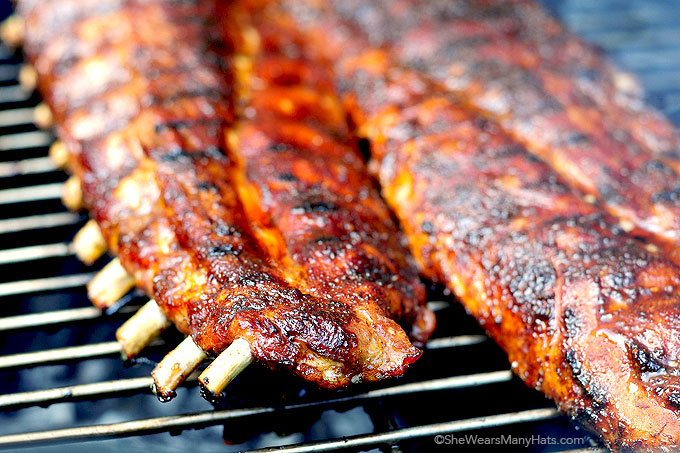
587, 315
510, 61
240, 220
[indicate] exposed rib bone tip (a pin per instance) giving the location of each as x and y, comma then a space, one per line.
175, 368
42, 116
12, 30
138, 331
72, 195
226, 366
627, 225
28, 77
59, 154
89, 243
109, 285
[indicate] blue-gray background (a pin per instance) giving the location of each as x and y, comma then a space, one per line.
642, 36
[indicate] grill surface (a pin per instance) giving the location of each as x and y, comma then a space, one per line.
62, 379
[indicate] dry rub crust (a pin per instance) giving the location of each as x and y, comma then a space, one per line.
267, 228
556, 95
586, 314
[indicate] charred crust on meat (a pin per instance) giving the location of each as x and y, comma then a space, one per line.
318, 206
287, 177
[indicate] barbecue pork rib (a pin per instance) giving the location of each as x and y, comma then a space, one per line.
510, 61
239, 205
587, 314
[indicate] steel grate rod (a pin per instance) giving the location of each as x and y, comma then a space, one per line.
13, 93
452, 342
49, 318
90, 351
9, 72
35, 252
26, 167
132, 428
31, 193
35, 222
17, 117
63, 394
110, 388
23, 140
39, 358
436, 305
44, 284
398, 435
208, 418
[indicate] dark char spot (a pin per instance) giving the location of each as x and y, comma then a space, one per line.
314, 206
278, 148
217, 251
427, 227
287, 177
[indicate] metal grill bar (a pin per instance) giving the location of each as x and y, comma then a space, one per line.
436, 305
23, 140
105, 389
9, 72
13, 93
132, 428
27, 167
150, 425
36, 222
452, 342
35, 252
202, 419
17, 117
49, 318
31, 193
90, 351
44, 284
99, 389
56, 318
40, 358
395, 436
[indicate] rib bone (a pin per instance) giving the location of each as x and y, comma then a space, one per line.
176, 367
138, 331
72, 196
28, 77
109, 285
59, 154
42, 116
12, 30
89, 243
226, 366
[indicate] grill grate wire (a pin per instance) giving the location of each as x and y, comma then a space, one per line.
30, 187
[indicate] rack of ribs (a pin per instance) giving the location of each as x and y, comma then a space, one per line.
587, 314
510, 61
231, 194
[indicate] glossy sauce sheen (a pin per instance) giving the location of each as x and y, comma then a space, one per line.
240, 219
586, 314
509, 60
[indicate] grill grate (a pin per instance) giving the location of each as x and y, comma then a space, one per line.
57, 350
